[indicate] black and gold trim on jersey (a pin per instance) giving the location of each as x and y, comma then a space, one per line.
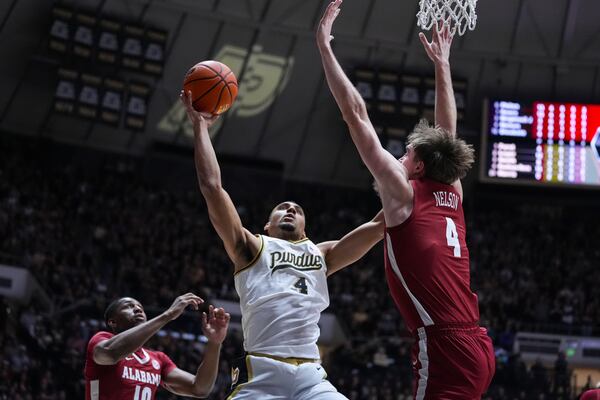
298, 241
241, 375
284, 266
256, 257
296, 361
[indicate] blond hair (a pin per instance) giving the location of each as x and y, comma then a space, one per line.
445, 157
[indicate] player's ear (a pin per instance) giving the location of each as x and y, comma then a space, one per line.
112, 325
420, 167
267, 226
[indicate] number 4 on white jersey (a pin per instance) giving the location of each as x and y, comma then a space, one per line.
452, 236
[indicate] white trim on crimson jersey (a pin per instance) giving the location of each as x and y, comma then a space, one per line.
427, 321
141, 361
94, 389
424, 360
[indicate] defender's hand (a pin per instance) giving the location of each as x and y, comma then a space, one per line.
181, 303
215, 324
324, 29
438, 49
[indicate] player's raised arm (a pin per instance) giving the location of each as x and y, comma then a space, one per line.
438, 51
240, 244
391, 175
111, 351
214, 327
353, 246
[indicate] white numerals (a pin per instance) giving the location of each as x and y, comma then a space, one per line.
452, 236
146, 393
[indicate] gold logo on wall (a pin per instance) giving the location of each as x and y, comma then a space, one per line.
265, 76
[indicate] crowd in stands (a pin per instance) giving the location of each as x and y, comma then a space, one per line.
91, 236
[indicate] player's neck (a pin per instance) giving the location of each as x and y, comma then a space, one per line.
289, 236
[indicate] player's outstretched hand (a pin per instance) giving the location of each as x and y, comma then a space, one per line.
195, 116
324, 29
215, 324
438, 49
181, 303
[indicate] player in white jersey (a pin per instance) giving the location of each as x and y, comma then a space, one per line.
281, 278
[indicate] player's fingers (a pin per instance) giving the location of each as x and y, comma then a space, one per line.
220, 313
334, 7
192, 295
190, 303
204, 320
184, 99
227, 317
329, 9
426, 44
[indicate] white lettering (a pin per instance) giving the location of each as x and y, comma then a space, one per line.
446, 199
141, 376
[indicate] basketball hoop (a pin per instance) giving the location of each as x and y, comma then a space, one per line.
458, 14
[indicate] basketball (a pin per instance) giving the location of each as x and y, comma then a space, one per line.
213, 85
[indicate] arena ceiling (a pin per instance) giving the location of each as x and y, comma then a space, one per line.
521, 49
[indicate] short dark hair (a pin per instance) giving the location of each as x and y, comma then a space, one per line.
110, 311
446, 158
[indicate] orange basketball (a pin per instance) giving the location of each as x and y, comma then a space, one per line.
213, 86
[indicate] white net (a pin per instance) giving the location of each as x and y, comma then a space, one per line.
458, 14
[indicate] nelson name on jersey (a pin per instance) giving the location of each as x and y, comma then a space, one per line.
446, 199
300, 262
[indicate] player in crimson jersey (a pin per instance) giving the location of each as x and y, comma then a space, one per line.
117, 367
426, 257
593, 394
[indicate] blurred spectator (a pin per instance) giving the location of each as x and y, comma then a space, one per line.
91, 234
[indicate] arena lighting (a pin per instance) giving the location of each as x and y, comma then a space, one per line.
81, 35
396, 101
103, 99
541, 143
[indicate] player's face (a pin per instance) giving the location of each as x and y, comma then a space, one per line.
130, 313
287, 219
413, 165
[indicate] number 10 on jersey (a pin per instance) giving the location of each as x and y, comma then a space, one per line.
145, 392
452, 236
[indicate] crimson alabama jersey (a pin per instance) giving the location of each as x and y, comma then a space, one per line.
136, 377
591, 395
427, 260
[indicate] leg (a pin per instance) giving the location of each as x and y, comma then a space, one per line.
451, 367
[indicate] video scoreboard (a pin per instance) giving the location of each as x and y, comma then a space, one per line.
541, 143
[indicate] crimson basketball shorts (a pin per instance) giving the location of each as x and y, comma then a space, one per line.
452, 362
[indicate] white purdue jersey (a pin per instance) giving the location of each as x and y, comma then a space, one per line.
282, 294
